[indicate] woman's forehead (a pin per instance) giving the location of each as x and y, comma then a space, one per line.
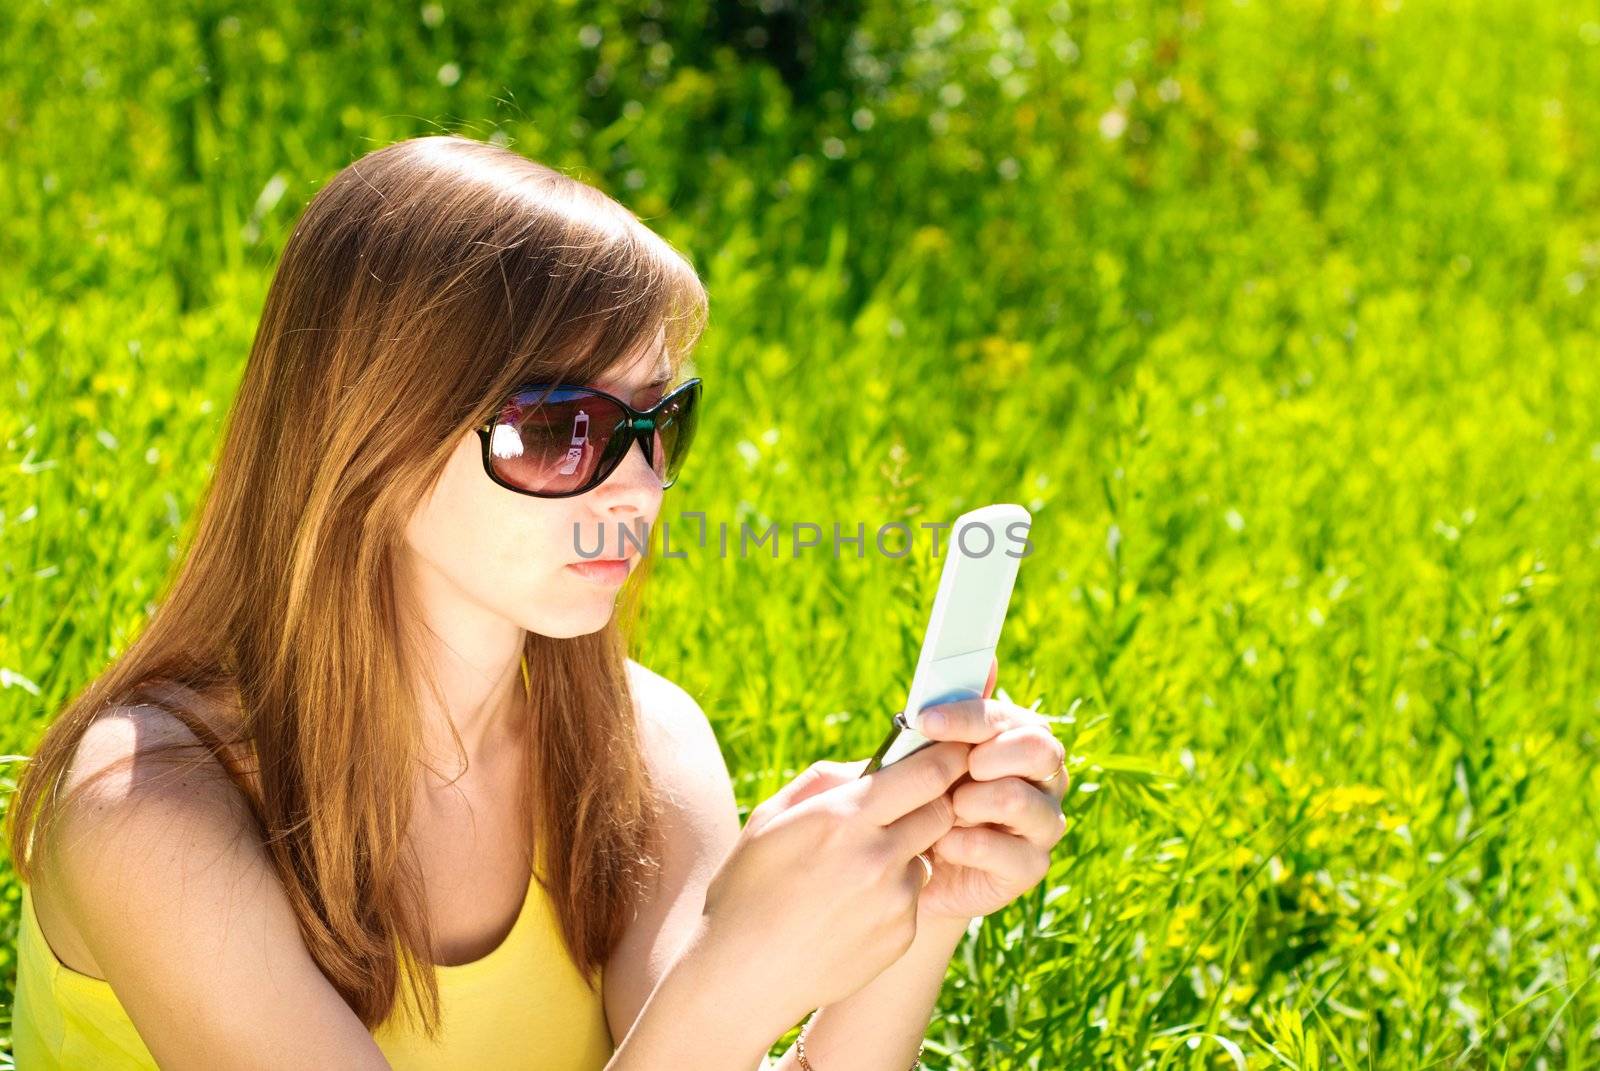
650, 365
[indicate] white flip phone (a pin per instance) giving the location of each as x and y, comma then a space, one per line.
969, 611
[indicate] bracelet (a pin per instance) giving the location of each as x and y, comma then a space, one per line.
800, 1049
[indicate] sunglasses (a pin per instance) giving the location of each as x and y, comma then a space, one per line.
556, 441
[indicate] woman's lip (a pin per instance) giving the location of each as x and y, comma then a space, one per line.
602, 570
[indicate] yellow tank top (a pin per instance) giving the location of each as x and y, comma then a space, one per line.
524, 1005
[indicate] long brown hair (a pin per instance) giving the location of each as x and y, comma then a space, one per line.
423, 283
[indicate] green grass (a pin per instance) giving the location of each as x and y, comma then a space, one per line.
1282, 319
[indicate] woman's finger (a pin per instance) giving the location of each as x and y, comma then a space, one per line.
972, 720
1020, 807
1029, 751
816, 778
1012, 860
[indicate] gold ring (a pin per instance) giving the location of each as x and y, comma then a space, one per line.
1052, 777
927, 865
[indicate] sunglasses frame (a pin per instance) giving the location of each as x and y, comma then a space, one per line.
641, 428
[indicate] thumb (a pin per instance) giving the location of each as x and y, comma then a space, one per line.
994, 675
816, 778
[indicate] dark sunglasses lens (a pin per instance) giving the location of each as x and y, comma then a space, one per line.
675, 426
553, 445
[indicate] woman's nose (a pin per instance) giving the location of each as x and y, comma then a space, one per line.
634, 484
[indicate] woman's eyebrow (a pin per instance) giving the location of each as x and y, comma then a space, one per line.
662, 377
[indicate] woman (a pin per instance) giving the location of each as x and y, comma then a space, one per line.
377, 785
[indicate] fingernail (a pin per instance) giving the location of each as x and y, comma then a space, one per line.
933, 721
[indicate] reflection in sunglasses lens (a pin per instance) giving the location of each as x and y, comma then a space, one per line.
556, 442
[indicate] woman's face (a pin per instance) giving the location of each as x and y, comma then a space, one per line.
476, 542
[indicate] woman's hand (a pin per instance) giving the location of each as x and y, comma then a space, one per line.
820, 892
1008, 809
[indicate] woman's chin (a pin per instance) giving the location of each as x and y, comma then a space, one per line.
587, 612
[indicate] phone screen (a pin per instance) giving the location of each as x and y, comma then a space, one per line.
969, 612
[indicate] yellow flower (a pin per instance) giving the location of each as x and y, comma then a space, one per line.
1390, 822
1182, 919
1005, 356
1342, 799
929, 239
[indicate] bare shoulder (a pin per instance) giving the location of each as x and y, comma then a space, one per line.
687, 761
139, 793
145, 753
134, 760
700, 824
155, 879
669, 714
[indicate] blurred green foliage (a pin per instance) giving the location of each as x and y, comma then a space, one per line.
1281, 319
